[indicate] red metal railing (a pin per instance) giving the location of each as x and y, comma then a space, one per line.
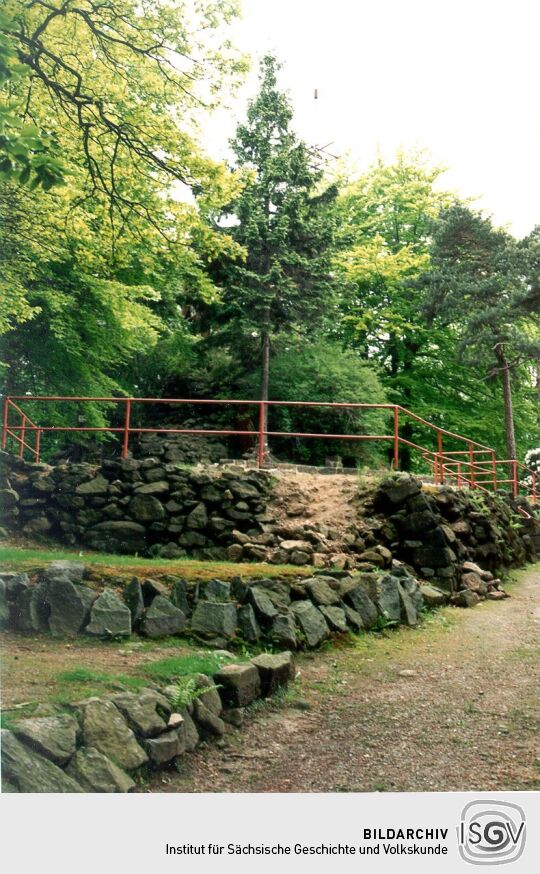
461, 467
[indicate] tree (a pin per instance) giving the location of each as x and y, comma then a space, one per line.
476, 282
283, 219
97, 266
123, 80
385, 218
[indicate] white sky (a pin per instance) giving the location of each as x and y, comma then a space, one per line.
458, 78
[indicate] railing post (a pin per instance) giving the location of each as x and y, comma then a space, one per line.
396, 438
38, 442
534, 488
5, 422
127, 422
21, 436
514, 478
440, 449
471, 465
262, 419
494, 465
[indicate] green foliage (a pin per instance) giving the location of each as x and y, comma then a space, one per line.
284, 220
186, 693
321, 371
184, 666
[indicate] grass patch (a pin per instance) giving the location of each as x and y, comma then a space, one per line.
19, 558
185, 666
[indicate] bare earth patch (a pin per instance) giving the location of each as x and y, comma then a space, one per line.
452, 706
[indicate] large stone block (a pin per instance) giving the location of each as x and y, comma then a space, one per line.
211, 619
105, 728
109, 616
275, 670
311, 622
27, 771
163, 618
239, 684
94, 772
54, 737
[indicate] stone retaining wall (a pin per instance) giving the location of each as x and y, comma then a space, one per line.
144, 506
104, 744
296, 613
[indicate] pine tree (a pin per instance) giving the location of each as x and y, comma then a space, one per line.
477, 283
283, 218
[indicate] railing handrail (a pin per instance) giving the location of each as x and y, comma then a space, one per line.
440, 458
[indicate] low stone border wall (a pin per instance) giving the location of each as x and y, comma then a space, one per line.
103, 744
295, 613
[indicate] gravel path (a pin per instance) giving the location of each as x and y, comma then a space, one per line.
450, 706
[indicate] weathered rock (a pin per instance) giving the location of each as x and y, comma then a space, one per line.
120, 536
354, 620
208, 722
262, 603
179, 596
370, 556
37, 526
474, 582
217, 590
69, 606
54, 737
297, 546
465, 598
274, 671
408, 611
234, 716
95, 487
283, 631
160, 487
311, 621
388, 598
109, 616
191, 734
248, 627
395, 490
146, 508
198, 518
432, 596
163, 618
94, 772
239, 684
134, 599
32, 611
362, 604
211, 619
27, 771
166, 747
147, 711
14, 584
335, 616
244, 490
211, 697
105, 728
322, 593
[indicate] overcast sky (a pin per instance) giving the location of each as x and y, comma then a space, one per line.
458, 78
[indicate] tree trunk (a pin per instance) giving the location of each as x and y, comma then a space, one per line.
265, 368
508, 405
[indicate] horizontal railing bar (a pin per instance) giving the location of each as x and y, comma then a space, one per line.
443, 430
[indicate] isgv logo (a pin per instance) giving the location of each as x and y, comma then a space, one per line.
491, 832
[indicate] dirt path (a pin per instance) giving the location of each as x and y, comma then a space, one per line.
463, 716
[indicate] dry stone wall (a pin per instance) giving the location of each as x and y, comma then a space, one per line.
296, 613
104, 744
